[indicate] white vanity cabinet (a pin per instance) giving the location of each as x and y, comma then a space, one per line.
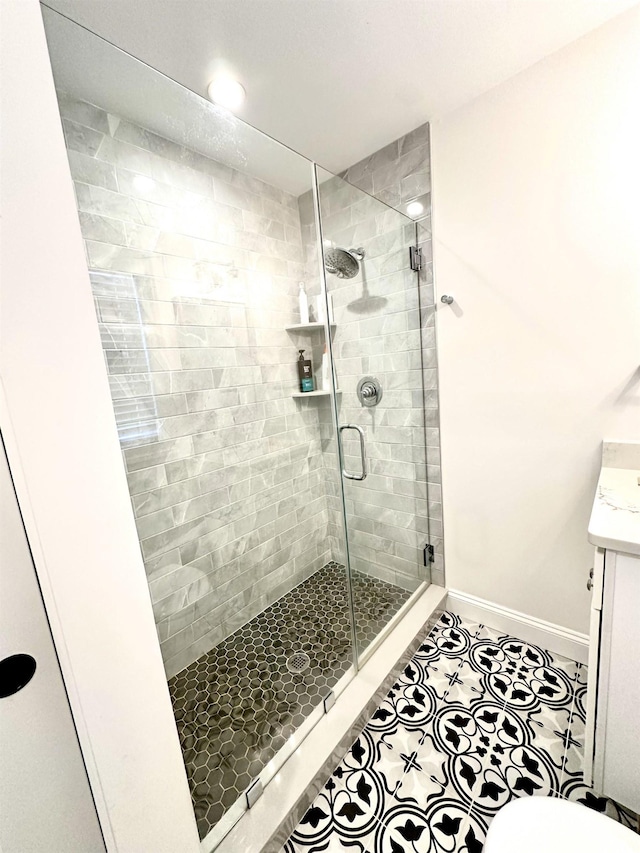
612, 738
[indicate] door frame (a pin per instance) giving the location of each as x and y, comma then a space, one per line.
63, 450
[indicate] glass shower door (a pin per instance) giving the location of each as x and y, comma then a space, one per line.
192, 227
373, 299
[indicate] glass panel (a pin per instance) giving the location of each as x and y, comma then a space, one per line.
376, 344
193, 225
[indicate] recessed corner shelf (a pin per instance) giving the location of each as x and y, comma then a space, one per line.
299, 394
307, 327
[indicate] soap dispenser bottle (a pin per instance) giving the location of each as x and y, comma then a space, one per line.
305, 373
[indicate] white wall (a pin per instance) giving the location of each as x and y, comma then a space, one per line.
536, 233
58, 424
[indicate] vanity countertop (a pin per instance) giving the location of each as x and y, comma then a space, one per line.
615, 517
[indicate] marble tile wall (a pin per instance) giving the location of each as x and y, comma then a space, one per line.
399, 173
391, 335
195, 269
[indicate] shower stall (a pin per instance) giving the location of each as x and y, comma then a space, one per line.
283, 532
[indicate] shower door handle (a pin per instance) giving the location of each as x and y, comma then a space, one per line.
363, 455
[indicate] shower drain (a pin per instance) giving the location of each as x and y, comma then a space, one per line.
299, 662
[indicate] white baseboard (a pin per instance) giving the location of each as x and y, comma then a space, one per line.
554, 638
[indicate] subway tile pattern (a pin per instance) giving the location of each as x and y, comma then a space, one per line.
475, 720
238, 704
397, 174
195, 268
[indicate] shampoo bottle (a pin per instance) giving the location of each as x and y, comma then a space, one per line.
305, 373
304, 305
325, 370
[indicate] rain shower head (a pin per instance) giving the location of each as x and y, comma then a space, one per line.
345, 263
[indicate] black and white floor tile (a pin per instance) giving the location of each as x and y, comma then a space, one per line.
475, 720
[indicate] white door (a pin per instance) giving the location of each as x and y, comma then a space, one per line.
45, 799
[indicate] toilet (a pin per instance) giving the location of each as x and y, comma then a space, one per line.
548, 825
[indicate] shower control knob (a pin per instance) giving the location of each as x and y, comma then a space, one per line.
446, 299
369, 391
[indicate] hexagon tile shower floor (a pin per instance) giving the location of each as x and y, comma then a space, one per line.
237, 705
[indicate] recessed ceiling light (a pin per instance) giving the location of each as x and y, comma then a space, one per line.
226, 92
415, 208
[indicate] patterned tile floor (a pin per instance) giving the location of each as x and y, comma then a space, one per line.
237, 705
475, 720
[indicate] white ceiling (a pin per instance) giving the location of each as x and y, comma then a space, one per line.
91, 69
338, 79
